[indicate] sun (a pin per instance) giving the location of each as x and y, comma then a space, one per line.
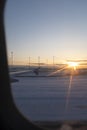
72, 65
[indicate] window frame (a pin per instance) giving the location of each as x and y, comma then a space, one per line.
10, 117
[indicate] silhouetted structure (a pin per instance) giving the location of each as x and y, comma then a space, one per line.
36, 71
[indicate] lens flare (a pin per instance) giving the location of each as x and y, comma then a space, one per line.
57, 71
68, 93
72, 65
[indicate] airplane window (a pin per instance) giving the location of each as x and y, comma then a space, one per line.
47, 58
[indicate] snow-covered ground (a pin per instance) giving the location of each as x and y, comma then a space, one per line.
45, 98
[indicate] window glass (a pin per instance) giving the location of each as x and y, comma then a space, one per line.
47, 58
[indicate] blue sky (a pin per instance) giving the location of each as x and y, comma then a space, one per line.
46, 28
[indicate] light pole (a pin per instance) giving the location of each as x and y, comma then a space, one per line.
29, 62
38, 61
53, 62
12, 58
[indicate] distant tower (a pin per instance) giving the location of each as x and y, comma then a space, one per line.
38, 61
12, 58
29, 61
53, 62
47, 63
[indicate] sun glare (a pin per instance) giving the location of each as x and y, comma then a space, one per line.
72, 65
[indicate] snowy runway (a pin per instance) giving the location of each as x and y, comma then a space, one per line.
44, 98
